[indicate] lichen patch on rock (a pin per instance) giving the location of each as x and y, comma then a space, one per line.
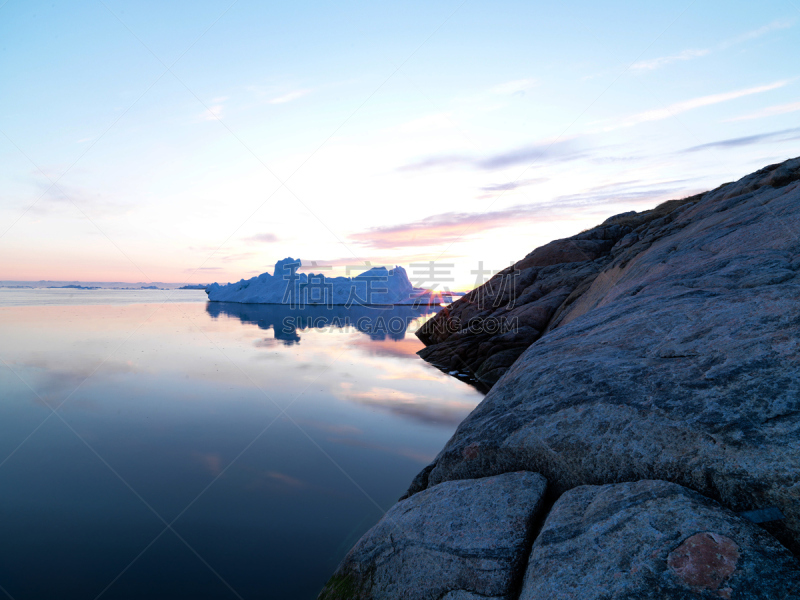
705, 561
641, 540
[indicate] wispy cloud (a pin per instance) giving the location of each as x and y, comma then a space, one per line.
656, 63
288, 97
436, 230
236, 257
512, 185
213, 113
662, 61
769, 111
432, 162
497, 189
214, 110
517, 86
65, 197
677, 108
351, 266
263, 238
553, 152
784, 135
447, 228
626, 191
757, 33
558, 151
428, 123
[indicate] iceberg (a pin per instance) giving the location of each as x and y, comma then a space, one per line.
377, 286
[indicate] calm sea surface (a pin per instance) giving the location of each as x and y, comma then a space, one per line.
154, 445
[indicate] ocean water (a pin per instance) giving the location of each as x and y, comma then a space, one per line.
154, 445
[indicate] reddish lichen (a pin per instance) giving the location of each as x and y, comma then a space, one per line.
471, 451
705, 561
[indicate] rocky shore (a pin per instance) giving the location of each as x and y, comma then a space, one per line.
641, 435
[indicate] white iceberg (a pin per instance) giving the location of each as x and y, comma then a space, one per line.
377, 286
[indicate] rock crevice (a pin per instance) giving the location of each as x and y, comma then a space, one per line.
460, 539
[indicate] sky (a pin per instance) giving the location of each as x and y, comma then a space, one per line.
203, 141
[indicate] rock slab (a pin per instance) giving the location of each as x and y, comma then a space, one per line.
483, 333
459, 540
680, 362
652, 540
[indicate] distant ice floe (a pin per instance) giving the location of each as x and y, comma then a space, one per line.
377, 286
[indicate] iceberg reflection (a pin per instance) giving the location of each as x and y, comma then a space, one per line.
377, 322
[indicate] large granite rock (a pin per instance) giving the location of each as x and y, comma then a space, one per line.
679, 361
651, 540
483, 333
461, 540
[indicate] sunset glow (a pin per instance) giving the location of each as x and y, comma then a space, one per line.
202, 142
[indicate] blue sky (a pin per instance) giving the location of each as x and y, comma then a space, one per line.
203, 141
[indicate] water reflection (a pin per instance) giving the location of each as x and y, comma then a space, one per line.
272, 453
378, 322
410, 405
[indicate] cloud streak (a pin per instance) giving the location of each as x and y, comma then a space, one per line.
263, 238
450, 227
657, 63
61, 196
783, 135
769, 111
662, 61
677, 108
557, 151
757, 33
288, 97
516, 87
512, 185
214, 110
